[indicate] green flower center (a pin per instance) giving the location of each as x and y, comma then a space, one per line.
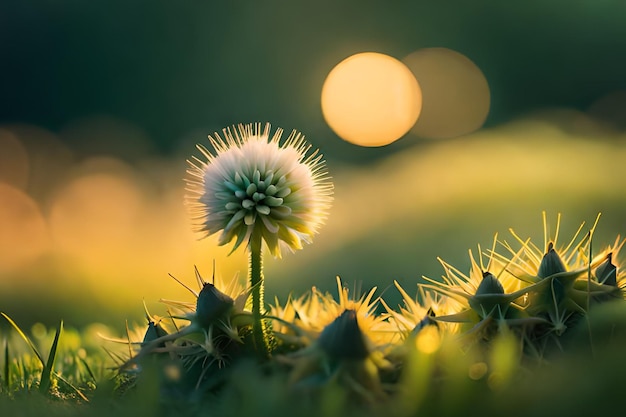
262, 194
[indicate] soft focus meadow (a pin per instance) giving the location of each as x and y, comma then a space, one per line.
95, 233
430, 223
103, 244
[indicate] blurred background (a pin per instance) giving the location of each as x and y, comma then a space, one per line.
523, 109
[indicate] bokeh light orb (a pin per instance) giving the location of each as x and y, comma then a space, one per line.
23, 231
455, 92
96, 217
371, 99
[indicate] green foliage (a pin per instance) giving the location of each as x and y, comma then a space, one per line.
46, 373
443, 382
528, 332
67, 373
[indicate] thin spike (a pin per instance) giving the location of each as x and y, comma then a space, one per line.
558, 225
578, 247
545, 230
529, 269
199, 278
589, 275
527, 244
130, 351
185, 286
480, 259
145, 309
580, 228
493, 249
509, 262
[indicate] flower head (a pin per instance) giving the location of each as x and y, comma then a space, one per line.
253, 187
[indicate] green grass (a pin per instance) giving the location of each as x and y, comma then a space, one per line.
68, 382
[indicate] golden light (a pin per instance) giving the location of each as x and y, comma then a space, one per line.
428, 340
478, 370
454, 90
109, 222
371, 99
24, 235
96, 225
96, 217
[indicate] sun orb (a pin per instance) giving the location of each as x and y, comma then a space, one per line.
371, 99
455, 92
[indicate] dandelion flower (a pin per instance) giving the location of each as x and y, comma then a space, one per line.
254, 187
255, 190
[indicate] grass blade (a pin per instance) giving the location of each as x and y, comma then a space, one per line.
46, 374
26, 339
6, 373
88, 368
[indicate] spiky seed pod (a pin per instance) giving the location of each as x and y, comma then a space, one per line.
602, 285
153, 332
551, 263
489, 296
606, 273
341, 354
490, 285
211, 305
343, 339
551, 297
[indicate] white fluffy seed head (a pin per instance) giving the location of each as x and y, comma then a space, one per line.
254, 187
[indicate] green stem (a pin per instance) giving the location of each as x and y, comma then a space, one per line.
259, 327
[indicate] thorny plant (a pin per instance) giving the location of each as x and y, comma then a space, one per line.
516, 293
518, 302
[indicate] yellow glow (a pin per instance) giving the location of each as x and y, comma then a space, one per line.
428, 340
478, 370
504, 359
172, 372
455, 93
96, 216
23, 231
98, 225
425, 190
371, 99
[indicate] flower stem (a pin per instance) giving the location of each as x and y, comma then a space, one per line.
261, 333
